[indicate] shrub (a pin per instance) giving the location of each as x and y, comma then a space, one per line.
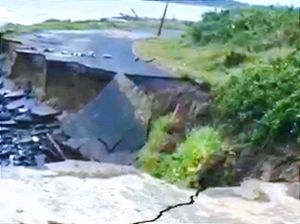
263, 103
234, 58
257, 28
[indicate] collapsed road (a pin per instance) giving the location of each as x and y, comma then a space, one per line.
108, 96
107, 121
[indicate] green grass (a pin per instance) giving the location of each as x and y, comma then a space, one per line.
182, 166
224, 43
198, 150
202, 62
149, 156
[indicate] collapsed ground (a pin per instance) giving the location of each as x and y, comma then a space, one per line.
233, 137
187, 146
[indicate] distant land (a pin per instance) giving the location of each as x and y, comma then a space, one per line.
213, 3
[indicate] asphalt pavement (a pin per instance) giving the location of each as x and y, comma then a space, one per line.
107, 50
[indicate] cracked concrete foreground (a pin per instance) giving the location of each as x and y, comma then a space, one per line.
85, 192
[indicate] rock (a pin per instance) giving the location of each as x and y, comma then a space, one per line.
15, 94
20, 103
49, 50
107, 56
9, 123
4, 116
273, 165
3, 130
42, 110
24, 119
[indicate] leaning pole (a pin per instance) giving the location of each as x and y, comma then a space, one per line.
163, 19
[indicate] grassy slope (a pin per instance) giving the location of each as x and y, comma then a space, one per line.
204, 58
200, 62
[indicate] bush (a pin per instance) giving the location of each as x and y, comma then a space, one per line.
234, 58
258, 28
263, 103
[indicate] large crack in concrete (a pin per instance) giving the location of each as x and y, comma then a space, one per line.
171, 207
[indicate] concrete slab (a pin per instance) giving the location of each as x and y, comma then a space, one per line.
117, 118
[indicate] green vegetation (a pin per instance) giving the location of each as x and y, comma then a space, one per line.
257, 29
251, 57
182, 166
263, 104
150, 156
199, 149
183, 59
210, 48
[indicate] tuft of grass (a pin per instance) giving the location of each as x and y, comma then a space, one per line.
181, 167
149, 156
198, 150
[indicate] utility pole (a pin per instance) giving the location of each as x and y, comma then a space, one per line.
163, 18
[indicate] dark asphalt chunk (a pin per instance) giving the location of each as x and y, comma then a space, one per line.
27, 103
116, 120
43, 110
4, 130
15, 94
20, 144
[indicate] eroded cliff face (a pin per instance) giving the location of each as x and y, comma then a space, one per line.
65, 85
70, 86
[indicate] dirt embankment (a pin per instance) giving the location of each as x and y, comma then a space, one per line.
65, 85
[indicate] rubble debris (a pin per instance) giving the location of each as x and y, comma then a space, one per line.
14, 94
90, 54
25, 125
107, 56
